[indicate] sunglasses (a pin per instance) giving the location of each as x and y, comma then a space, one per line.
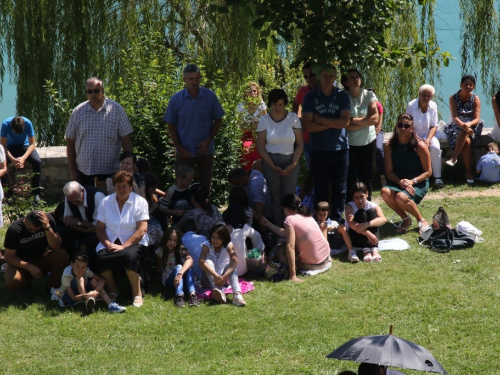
95, 91
306, 76
404, 126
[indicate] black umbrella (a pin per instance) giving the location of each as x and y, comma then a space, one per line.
388, 350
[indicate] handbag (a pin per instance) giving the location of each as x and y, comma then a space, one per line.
275, 270
448, 240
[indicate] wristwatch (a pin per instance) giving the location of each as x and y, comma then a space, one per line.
414, 183
80, 223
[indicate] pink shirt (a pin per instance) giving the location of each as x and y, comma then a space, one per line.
311, 246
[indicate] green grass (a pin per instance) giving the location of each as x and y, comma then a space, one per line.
447, 303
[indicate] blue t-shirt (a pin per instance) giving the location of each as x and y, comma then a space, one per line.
194, 118
330, 106
14, 139
489, 166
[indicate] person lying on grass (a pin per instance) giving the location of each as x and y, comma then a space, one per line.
176, 267
363, 219
78, 284
218, 260
306, 247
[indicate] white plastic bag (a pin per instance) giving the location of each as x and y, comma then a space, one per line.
466, 227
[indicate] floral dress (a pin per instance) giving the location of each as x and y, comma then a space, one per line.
465, 111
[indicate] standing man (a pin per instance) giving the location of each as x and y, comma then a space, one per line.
96, 133
326, 112
18, 139
33, 249
312, 83
194, 116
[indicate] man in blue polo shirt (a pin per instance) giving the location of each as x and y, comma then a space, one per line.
17, 136
194, 116
326, 114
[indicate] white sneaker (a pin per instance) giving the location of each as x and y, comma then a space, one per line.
353, 256
238, 300
218, 295
89, 304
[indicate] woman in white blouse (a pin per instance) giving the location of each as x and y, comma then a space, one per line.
279, 142
122, 225
425, 121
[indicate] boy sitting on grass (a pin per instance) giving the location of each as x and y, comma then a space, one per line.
488, 167
77, 279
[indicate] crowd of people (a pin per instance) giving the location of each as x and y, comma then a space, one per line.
113, 215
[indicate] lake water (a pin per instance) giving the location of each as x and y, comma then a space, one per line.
448, 33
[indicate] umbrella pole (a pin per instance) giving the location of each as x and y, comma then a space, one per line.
390, 330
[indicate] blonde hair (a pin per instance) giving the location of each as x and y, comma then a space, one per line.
493, 146
249, 85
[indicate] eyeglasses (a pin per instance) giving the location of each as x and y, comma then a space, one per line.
405, 126
95, 91
306, 76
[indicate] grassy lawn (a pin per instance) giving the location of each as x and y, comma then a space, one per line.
447, 303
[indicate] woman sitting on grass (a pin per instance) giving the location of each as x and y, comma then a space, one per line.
407, 168
176, 268
363, 218
306, 247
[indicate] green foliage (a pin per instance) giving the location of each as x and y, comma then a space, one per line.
20, 201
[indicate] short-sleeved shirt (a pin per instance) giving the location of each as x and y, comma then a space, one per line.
14, 139
29, 246
330, 107
121, 225
220, 259
422, 122
368, 206
489, 165
97, 136
176, 199
311, 245
359, 108
68, 276
257, 189
194, 118
280, 136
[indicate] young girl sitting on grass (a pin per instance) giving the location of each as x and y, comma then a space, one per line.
218, 260
176, 267
363, 218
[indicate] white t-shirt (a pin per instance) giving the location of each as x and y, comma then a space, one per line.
422, 122
369, 205
280, 136
67, 277
122, 224
359, 108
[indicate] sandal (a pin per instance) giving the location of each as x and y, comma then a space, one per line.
376, 256
423, 227
402, 229
138, 300
367, 255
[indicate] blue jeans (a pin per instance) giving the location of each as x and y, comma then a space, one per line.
330, 179
186, 278
67, 299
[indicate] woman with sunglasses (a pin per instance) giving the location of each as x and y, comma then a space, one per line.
407, 168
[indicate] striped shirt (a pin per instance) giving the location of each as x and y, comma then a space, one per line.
97, 136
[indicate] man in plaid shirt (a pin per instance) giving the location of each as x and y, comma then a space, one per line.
96, 133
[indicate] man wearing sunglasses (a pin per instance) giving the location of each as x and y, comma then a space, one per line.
97, 131
312, 83
33, 249
80, 215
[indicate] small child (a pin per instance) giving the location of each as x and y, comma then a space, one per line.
218, 260
77, 279
176, 267
363, 218
321, 211
177, 200
488, 166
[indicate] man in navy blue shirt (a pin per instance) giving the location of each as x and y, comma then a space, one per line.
194, 116
326, 112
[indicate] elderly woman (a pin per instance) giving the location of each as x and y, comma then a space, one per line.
361, 131
204, 213
251, 110
128, 161
407, 168
306, 247
425, 121
279, 141
122, 225
466, 126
